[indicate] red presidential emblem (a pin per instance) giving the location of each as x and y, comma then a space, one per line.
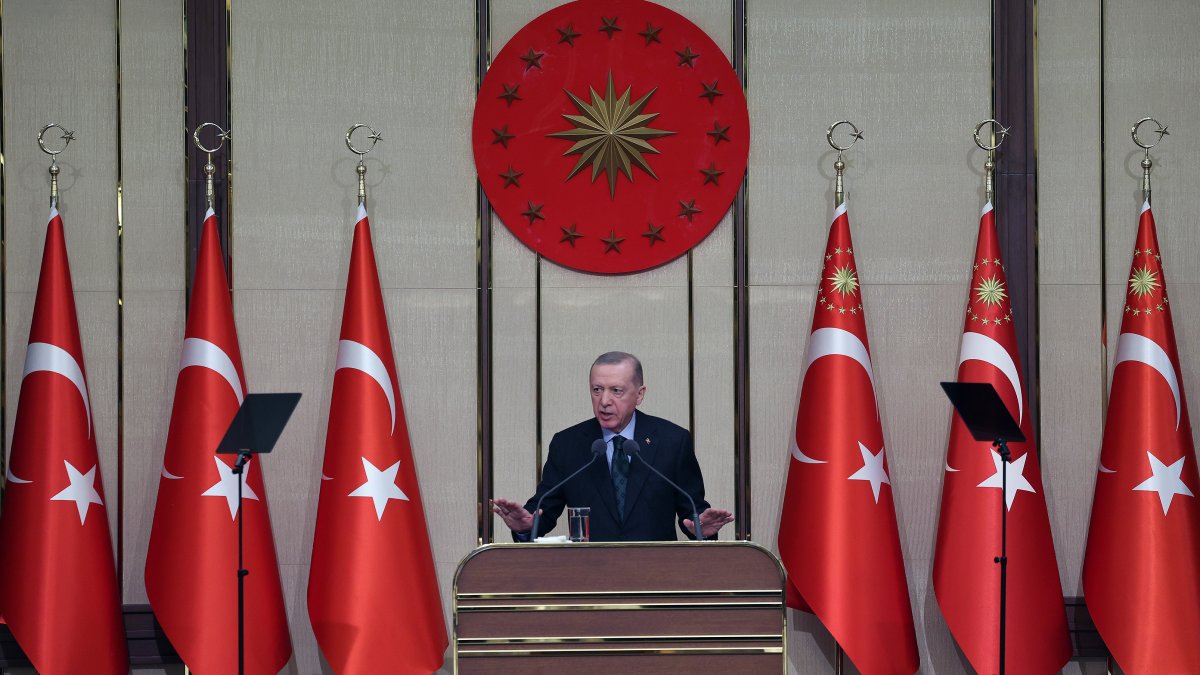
611, 136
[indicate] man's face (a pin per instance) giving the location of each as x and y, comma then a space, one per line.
614, 394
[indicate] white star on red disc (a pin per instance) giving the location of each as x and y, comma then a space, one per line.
82, 490
1015, 471
380, 486
227, 486
1165, 481
872, 470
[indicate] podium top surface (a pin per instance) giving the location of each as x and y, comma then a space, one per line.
731, 566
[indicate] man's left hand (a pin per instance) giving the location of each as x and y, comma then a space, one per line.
711, 521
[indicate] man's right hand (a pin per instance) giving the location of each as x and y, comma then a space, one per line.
514, 515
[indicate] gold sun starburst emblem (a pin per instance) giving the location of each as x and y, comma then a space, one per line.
844, 280
990, 291
1143, 282
611, 135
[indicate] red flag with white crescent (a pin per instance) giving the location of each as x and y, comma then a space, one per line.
966, 578
837, 533
58, 583
372, 590
192, 563
1140, 572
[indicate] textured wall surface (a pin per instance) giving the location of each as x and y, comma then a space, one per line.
915, 76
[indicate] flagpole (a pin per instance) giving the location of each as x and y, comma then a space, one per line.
998, 132
244, 456
839, 198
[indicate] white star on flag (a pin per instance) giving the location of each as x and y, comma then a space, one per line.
227, 486
1016, 479
380, 486
82, 490
872, 470
1165, 481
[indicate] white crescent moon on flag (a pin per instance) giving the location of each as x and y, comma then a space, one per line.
358, 356
1105, 469
801, 457
202, 353
838, 342
833, 342
12, 477
979, 347
1134, 347
42, 356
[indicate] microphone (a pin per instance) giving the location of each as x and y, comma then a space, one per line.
632, 448
599, 448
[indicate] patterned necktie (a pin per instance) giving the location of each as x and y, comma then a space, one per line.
620, 473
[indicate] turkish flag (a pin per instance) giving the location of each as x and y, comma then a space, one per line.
1140, 572
372, 590
58, 584
837, 533
966, 578
192, 563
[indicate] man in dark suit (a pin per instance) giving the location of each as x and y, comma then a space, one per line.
628, 501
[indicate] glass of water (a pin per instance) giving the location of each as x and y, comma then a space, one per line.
578, 522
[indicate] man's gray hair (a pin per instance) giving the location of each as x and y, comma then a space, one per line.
616, 359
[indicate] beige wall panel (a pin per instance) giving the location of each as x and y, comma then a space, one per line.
152, 159
60, 66
509, 17
514, 395
513, 263
301, 75
1072, 400
780, 317
154, 322
1152, 68
915, 76
712, 376
152, 259
1069, 160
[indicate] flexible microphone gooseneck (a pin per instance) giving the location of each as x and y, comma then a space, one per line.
599, 448
632, 448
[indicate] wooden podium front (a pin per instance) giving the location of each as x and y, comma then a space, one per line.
645, 607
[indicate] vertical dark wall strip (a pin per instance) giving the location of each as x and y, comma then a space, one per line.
1014, 105
741, 312
484, 300
206, 99
1103, 235
120, 326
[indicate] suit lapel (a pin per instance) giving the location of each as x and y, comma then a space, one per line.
644, 433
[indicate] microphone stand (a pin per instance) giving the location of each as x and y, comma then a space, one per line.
1002, 559
634, 450
242, 459
598, 448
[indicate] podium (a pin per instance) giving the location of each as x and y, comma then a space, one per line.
621, 607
